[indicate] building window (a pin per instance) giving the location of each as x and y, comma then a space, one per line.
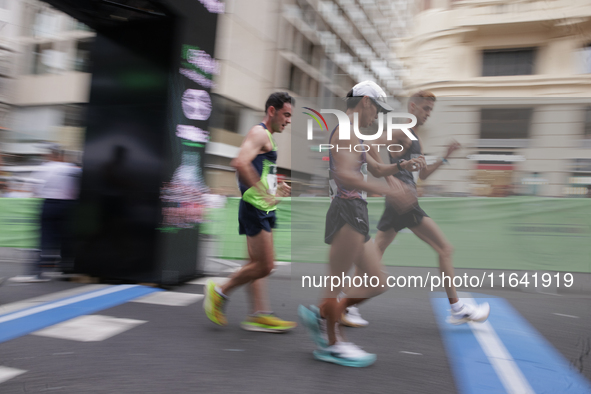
4, 112
46, 23
74, 115
307, 50
587, 129
225, 114
503, 62
584, 60
5, 63
4, 88
295, 80
82, 60
40, 56
510, 123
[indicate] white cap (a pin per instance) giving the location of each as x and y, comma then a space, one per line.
373, 91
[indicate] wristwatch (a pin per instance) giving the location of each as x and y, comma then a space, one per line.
444, 160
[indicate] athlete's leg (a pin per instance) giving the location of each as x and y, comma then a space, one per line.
259, 300
260, 248
257, 290
429, 232
384, 239
368, 266
346, 247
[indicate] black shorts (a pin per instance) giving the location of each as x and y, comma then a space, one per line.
391, 219
252, 220
342, 211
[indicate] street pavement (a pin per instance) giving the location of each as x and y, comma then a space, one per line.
66, 337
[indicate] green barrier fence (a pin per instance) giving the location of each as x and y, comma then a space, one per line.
19, 222
511, 233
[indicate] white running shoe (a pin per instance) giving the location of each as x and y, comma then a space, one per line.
346, 354
470, 313
352, 318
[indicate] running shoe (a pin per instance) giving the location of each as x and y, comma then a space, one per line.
323, 330
213, 304
346, 354
352, 318
314, 323
267, 323
470, 313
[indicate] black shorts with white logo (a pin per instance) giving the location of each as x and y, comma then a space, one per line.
346, 211
391, 219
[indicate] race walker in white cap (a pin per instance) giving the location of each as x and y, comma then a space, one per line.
347, 228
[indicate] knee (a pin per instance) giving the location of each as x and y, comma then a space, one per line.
447, 250
381, 245
266, 269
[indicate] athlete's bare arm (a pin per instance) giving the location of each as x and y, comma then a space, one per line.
255, 142
428, 170
378, 169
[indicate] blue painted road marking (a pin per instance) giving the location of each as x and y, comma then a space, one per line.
543, 367
23, 322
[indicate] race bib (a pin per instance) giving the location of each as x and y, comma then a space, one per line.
272, 179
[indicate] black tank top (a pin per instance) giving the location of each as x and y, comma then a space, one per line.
411, 153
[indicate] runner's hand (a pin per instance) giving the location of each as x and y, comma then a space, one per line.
422, 162
452, 147
284, 190
270, 199
401, 196
415, 164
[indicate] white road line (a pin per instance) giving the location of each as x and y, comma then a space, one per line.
563, 315
57, 304
413, 353
9, 373
20, 305
282, 263
509, 373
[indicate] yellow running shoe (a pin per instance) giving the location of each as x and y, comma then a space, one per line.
267, 323
213, 304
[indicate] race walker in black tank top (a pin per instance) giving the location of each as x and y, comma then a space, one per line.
391, 219
347, 206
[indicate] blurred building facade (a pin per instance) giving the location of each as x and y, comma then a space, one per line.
309, 48
513, 78
8, 53
306, 47
49, 80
